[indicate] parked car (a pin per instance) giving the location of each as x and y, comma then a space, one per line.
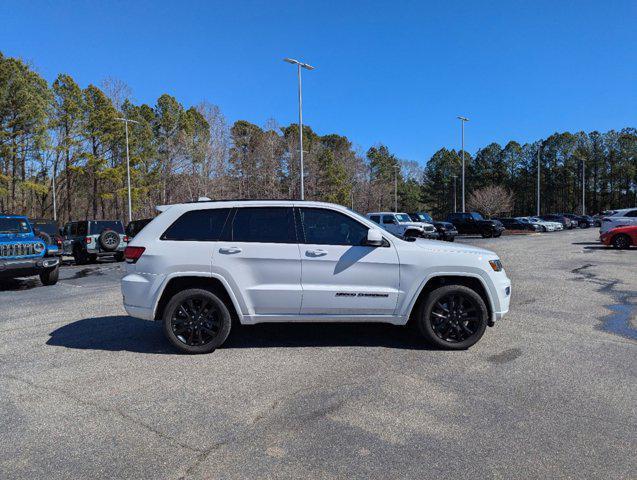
446, 231
548, 225
135, 226
401, 225
473, 222
24, 254
89, 239
515, 224
575, 219
586, 221
619, 218
566, 222
620, 237
48, 230
199, 265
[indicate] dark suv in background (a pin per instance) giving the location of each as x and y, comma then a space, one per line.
446, 231
474, 223
89, 239
515, 224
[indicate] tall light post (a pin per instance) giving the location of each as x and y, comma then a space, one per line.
462, 120
130, 203
537, 213
583, 187
396, 168
300, 65
455, 208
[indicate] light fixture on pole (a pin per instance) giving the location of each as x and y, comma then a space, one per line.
130, 203
462, 120
300, 65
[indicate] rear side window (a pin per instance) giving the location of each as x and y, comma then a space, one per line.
263, 225
198, 225
82, 228
327, 227
632, 213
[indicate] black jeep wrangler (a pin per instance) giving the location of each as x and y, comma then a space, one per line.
89, 239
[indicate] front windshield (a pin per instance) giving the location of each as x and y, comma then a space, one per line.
522, 219
425, 217
14, 225
99, 226
477, 216
48, 228
403, 217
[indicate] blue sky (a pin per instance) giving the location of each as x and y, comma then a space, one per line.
387, 71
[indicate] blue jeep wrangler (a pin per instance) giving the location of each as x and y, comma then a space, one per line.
23, 254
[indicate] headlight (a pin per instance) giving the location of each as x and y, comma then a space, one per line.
496, 265
39, 247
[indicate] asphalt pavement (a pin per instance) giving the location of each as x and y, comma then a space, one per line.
549, 392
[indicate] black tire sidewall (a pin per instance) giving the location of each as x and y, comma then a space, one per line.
102, 240
424, 312
226, 321
50, 276
620, 237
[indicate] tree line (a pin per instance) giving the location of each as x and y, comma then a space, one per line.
66, 139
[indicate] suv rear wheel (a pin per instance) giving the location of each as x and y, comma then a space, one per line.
196, 321
453, 317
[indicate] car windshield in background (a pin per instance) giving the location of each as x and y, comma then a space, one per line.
425, 217
99, 226
403, 217
476, 216
14, 225
46, 227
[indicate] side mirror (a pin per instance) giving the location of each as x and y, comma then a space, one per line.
374, 238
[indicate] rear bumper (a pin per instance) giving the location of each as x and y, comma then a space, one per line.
25, 267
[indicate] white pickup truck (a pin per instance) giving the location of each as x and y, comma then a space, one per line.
199, 265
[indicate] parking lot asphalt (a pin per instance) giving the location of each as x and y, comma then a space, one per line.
549, 392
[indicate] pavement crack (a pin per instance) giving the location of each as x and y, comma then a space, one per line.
116, 411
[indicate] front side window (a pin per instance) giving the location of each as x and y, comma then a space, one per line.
328, 227
375, 218
198, 225
264, 225
476, 216
14, 225
389, 219
632, 213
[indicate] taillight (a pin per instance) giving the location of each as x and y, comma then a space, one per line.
88, 240
132, 254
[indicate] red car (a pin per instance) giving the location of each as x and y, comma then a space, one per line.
620, 237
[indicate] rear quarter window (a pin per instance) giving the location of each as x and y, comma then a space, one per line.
198, 226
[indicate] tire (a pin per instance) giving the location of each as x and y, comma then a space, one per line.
80, 256
119, 257
50, 276
109, 240
621, 241
486, 234
92, 258
543, 229
434, 306
451, 239
496, 235
186, 315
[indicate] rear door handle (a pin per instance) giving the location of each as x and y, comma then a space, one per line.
316, 253
230, 250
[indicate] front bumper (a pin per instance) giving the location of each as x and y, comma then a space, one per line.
25, 267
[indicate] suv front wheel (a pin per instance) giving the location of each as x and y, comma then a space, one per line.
196, 321
453, 317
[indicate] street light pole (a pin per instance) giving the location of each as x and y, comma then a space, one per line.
538, 182
462, 120
455, 208
396, 167
308, 67
583, 187
130, 204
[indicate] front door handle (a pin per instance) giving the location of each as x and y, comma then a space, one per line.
316, 253
230, 250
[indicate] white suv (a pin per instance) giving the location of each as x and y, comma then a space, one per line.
618, 218
401, 225
198, 266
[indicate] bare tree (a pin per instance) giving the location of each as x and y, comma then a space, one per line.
491, 200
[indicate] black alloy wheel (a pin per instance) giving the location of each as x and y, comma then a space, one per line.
196, 321
621, 241
453, 317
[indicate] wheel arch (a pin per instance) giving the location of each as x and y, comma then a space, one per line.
183, 282
474, 282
